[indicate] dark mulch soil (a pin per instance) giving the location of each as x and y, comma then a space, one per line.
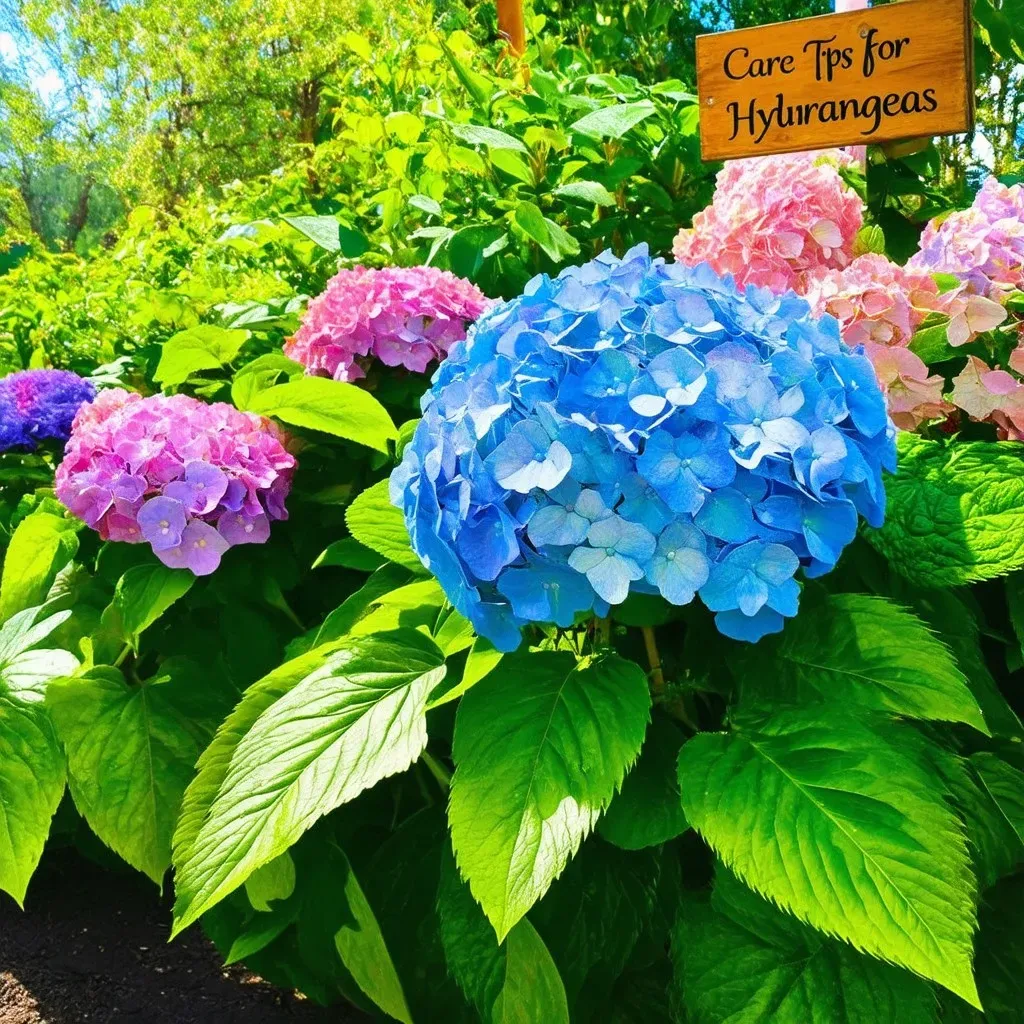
91, 948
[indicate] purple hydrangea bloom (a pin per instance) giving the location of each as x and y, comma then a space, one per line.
637, 426
40, 404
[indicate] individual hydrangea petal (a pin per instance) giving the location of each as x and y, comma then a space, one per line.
991, 396
37, 405
774, 220
663, 431
679, 566
200, 549
162, 521
403, 316
165, 469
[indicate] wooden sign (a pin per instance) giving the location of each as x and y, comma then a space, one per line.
892, 72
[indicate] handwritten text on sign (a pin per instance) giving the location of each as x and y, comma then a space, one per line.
892, 72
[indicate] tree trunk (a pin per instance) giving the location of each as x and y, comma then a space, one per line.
80, 214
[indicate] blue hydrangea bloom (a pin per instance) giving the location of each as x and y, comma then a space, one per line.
40, 404
637, 426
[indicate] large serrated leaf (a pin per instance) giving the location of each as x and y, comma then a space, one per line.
32, 764
955, 511
739, 959
41, 545
378, 525
647, 811
541, 744
842, 821
865, 651
330, 406
131, 752
354, 720
512, 983
1006, 787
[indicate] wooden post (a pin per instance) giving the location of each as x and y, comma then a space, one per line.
511, 26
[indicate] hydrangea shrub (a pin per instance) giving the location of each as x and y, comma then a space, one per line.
401, 316
637, 426
188, 478
39, 405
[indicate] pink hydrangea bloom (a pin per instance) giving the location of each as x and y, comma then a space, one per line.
992, 396
190, 479
911, 395
969, 314
776, 220
408, 316
874, 300
983, 245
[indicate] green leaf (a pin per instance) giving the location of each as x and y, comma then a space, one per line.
737, 958
931, 343
349, 554
32, 763
213, 765
593, 917
356, 719
541, 745
363, 951
331, 406
843, 822
41, 545
322, 230
614, 122
860, 650
130, 754
1006, 787
870, 238
482, 659
479, 135
142, 595
647, 812
514, 983
273, 881
262, 373
1000, 951
955, 511
204, 347
592, 192
378, 525
555, 242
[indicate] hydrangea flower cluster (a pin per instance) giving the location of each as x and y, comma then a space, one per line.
190, 479
634, 426
36, 405
993, 396
775, 220
982, 245
880, 305
408, 316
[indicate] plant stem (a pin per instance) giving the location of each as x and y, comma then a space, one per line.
654, 660
438, 770
125, 651
602, 632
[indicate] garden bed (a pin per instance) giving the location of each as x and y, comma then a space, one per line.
92, 946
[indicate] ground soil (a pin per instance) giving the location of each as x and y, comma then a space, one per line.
91, 948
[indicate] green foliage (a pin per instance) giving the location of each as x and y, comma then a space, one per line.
955, 512
362, 798
739, 958
355, 720
881, 864
130, 752
541, 745
32, 772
